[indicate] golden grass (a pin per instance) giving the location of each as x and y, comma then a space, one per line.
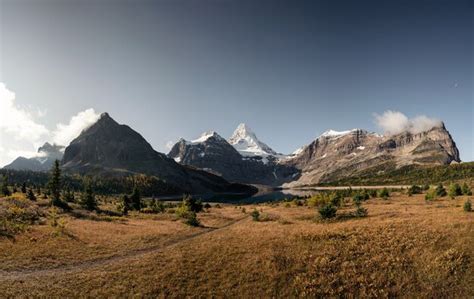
405, 248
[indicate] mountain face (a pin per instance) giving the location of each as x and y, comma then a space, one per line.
247, 144
43, 161
109, 148
334, 155
248, 161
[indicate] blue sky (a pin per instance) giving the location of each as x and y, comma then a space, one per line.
289, 69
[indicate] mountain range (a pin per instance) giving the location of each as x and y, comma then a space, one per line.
42, 161
210, 162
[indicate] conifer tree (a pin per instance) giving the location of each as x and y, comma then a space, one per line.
88, 200
4, 188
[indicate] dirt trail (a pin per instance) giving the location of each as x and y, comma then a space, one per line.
105, 261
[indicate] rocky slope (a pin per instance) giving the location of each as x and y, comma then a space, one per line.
335, 155
248, 161
43, 161
109, 148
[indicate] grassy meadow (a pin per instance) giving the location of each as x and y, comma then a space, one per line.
405, 246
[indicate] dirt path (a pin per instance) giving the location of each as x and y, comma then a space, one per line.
105, 261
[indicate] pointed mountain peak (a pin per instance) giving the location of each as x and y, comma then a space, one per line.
246, 142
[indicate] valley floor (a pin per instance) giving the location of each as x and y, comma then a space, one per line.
406, 247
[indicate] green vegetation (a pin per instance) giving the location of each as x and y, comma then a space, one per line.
468, 206
415, 189
188, 210
440, 191
255, 215
88, 200
466, 190
327, 211
454, 190
384, 193
4, 188
31, 195
388, 174
135, 199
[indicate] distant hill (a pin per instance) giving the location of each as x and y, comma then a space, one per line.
43, 161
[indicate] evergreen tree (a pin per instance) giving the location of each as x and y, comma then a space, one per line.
126, 204
30, 195
4, 187
23, 188
68, 195
88, 200
135, 199
54, 185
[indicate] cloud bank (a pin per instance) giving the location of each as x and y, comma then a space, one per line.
395, 122
64, 134
21, 134
17, 121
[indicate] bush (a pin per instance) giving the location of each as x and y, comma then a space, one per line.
414, 189
454, 190
440, 191
430, 195
372, 193
192, 204
465, 189
207, 206
384, 193
30, 195
468, 206
327, 211
192, 220
255, 215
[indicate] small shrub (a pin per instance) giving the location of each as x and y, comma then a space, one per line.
384, 193
30, 195
327, 211
414, 189
430, 195
255, 215
207, 206
372, 193
192, 220
468, 206
440, 191
454, 190
466, 190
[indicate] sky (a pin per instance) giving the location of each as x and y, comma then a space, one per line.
289, 69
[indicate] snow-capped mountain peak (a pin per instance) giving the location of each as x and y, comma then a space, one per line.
205, 136
247, 144
333, 133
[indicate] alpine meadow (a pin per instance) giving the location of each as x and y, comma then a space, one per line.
236, 149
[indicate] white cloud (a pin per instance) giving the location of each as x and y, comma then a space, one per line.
22, 135
64, 134
395, 122
17, 121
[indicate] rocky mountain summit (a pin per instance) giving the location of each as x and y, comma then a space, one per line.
42, 161
339, 154
247, 160
109, 148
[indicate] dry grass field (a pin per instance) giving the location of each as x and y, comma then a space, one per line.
406, 247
